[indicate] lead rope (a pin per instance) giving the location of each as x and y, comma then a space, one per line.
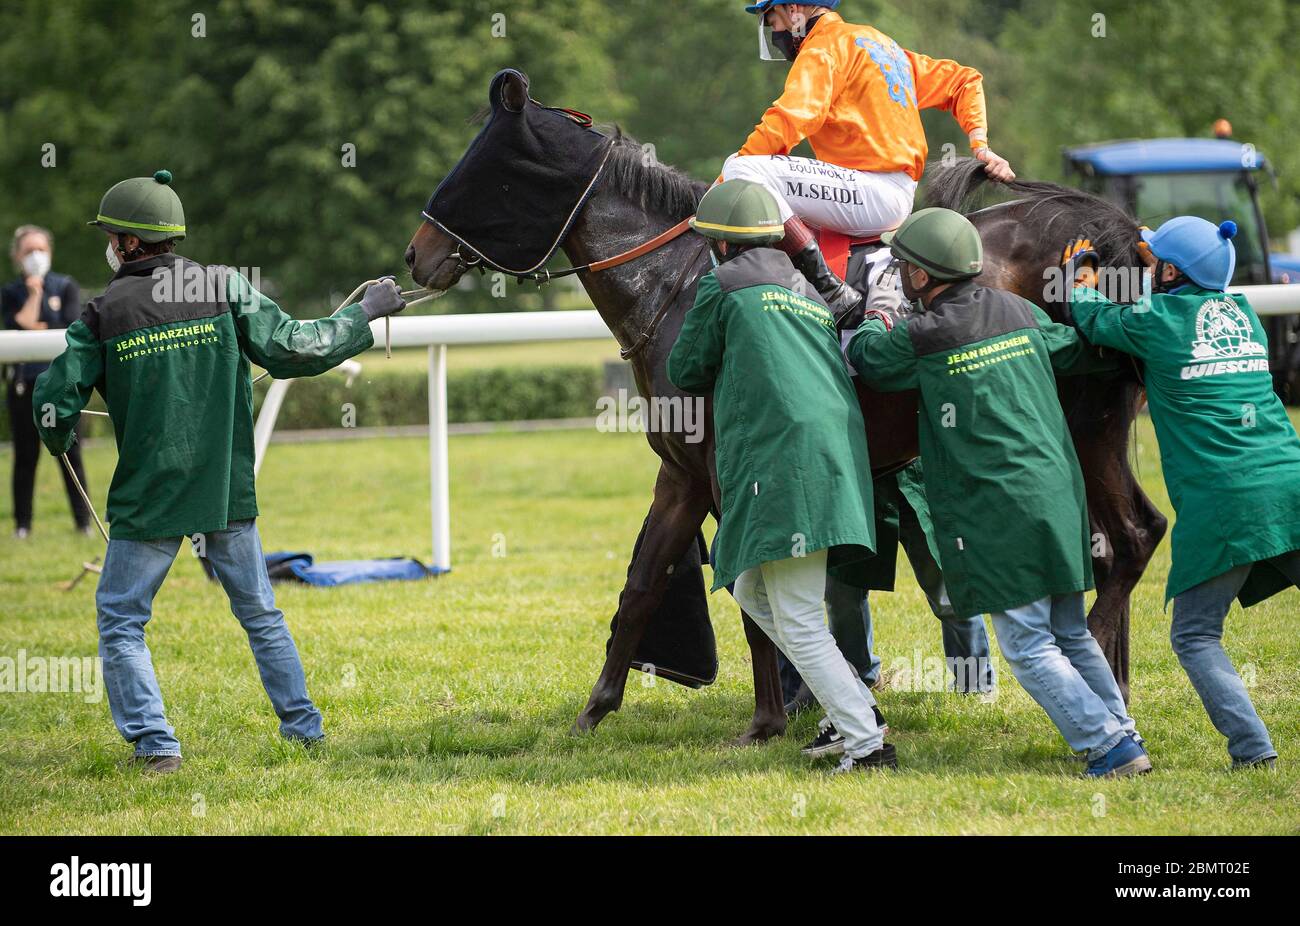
388, 321
81, 490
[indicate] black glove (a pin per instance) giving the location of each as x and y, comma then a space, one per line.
382, 298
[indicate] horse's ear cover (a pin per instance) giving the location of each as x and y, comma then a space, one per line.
497, 89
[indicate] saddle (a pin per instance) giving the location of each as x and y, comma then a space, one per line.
838, 249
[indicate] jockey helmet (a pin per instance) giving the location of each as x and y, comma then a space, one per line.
146, 207
941, 242
739, 211
764, 5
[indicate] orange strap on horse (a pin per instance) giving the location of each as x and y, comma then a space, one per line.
644, 248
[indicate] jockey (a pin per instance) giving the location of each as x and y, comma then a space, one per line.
856, 95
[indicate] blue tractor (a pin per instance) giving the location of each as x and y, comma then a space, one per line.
1215, 178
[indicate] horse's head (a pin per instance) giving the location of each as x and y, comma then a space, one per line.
515, 193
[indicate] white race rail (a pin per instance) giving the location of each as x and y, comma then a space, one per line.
436, 332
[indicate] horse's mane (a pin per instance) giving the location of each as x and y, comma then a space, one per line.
633, 171
1069, 212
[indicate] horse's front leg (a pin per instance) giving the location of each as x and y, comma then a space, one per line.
769, 705
678, 510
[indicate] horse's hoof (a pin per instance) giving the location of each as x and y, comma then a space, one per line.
759, 733
584, 724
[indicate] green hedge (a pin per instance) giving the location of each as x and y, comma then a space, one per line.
398, 398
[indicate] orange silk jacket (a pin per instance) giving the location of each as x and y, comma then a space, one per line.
856, 95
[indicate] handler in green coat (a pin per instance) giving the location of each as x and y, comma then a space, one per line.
1230, 454
168, 346
1002, 479
791, 449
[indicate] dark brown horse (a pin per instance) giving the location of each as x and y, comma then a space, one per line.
634, 199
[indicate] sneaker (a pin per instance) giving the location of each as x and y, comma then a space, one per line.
22, 533
828, 741
1127, 757
1268, 762
884, 757
157, 765
1083, 756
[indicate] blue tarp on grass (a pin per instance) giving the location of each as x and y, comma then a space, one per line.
303, 568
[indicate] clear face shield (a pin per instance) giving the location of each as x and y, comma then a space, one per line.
767, 51
781, 45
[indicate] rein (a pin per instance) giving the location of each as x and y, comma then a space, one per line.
543, 277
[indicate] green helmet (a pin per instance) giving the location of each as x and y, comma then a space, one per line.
741, 211
146, 207
941, 242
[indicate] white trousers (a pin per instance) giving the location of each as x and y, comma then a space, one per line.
852, 202
785, 598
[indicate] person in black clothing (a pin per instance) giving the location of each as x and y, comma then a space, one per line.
35, 301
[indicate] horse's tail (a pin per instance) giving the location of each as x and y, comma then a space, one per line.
955, 184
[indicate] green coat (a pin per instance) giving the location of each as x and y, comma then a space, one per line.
1230, 455
790, 443
175, 377
894, 491
1001, 476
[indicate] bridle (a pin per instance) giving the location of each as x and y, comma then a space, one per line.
466, 263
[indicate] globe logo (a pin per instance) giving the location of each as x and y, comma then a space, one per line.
1223, 330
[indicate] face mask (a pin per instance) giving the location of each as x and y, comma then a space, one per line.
785, 44
910, 292
110, 255
37, 263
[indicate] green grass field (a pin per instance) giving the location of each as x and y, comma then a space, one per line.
448, 702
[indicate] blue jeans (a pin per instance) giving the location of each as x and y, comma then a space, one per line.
965, 641
1197, 636
133, 572
1056, 660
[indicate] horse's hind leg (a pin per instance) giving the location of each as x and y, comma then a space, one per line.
1127, 527
678, 510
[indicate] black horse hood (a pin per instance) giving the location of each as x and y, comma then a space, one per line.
522, 182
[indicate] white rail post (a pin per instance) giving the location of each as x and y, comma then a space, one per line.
440, 492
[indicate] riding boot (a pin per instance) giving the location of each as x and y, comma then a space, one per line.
801, 245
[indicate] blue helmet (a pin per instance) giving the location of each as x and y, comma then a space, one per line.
1201, 250
762, 6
